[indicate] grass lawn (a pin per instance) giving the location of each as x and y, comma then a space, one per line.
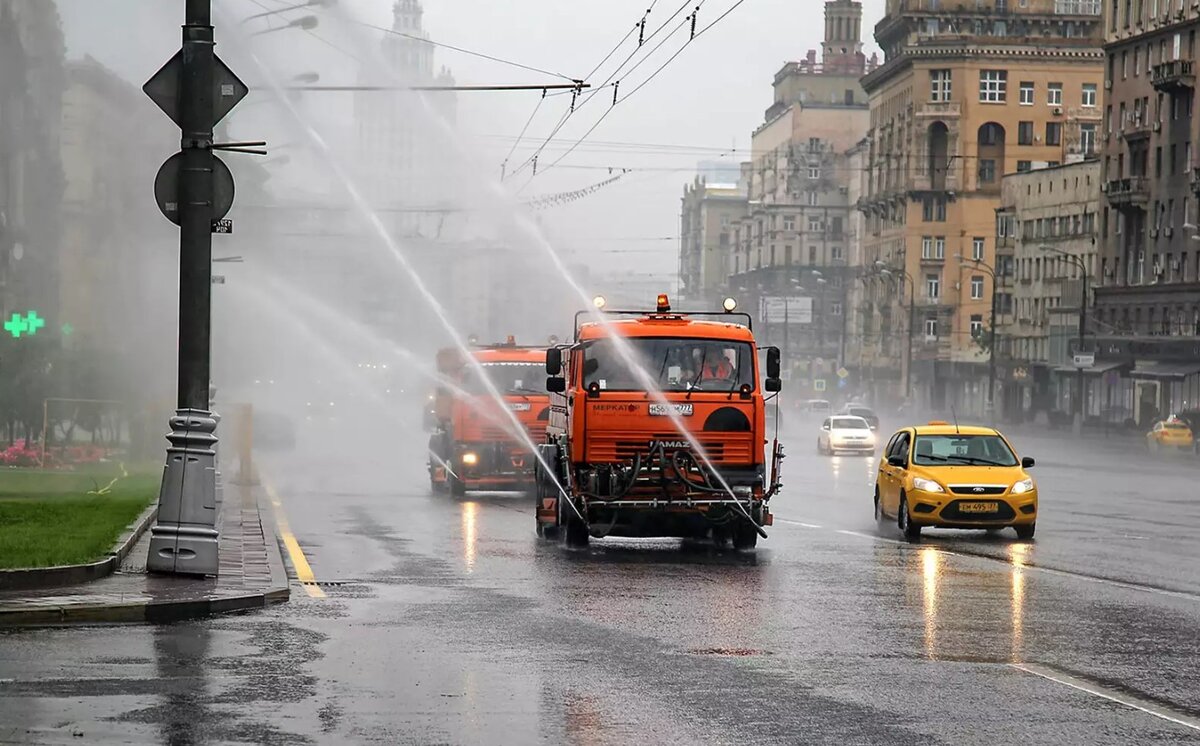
48, 519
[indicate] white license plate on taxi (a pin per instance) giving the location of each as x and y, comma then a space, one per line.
666, 410
979, 507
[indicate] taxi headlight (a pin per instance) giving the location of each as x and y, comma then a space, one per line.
926, 485
1025, 485
470, 459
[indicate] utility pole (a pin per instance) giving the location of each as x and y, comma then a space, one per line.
194, 190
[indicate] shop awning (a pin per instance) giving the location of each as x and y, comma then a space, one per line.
1100, 367
1163, 371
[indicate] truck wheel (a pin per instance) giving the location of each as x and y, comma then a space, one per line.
574, 531
744, 536
456, 486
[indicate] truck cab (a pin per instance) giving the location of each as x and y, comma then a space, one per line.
474, 444
658, 428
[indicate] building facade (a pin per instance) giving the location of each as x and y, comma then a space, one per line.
967, 93
790, 260
1148, 293
708, 216
1046, 258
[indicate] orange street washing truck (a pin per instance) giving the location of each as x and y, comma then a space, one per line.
475, 445
658, 428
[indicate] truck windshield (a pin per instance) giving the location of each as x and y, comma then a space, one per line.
508, 378
674, 364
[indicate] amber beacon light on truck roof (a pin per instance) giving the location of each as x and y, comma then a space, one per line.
663, 311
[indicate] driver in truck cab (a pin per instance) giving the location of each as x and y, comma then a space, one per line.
712, 363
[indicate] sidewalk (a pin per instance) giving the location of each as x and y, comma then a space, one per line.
251, 575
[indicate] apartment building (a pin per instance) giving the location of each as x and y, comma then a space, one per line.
967, 93
1148, 294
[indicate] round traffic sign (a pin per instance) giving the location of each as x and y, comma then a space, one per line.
166, 188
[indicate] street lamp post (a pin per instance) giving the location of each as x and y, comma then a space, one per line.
990, 400
903, 275
1083, 300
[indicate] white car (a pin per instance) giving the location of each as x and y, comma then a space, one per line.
846, 434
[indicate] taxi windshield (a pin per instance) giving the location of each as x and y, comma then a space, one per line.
508, 378
953, 449
673, 364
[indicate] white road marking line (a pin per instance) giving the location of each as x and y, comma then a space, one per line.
1113, 696
1024, 565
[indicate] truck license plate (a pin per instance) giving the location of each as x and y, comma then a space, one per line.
666, 410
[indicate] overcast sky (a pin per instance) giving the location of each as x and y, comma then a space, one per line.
709, 98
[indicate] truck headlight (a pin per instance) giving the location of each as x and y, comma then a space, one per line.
470, 459
1025, 485
926, 485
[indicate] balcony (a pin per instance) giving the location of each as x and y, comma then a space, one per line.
1138, 127
1174, 76
1131, 191
939, 110
1195, 179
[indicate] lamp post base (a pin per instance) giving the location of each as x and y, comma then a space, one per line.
184, 538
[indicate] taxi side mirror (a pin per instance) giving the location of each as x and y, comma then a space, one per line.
1027, 462
556, 385
553, 361
897, 460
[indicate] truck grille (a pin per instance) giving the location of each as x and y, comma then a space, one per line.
616, 447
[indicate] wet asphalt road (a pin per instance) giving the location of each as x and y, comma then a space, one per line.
446, 621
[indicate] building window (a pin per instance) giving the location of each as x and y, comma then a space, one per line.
812, 254
814, 144
789, 222
1025, 133
835, 253
931, 327
814, 172
1054, 94
1087, 139
812, 199
1053, 133
814, 224
939, 247
987, 170
1027, 94
1024, 167
835, 308
927, 247
1089, 95
977, 287
939, 84
977, 248
933, 286
976, 326
993, 86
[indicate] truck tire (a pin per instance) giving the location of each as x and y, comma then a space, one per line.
574, 531
745, 535
456, 486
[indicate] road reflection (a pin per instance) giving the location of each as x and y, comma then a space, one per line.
1017, 554
470, 533
181, 651
931, 570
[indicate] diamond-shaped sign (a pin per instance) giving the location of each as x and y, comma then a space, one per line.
163, 89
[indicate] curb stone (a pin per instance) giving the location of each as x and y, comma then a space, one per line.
52, 577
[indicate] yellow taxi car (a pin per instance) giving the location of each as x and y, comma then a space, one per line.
1170, 433
946, 476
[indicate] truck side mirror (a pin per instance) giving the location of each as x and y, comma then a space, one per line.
556, 385
553, 361
773, 385
773, 362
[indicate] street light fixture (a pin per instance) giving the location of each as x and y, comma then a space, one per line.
305, 23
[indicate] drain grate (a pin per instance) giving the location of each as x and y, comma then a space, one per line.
328, 583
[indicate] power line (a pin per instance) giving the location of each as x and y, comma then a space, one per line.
472, 53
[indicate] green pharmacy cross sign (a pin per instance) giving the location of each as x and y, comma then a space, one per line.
27, 324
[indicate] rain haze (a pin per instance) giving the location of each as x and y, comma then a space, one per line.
599, 372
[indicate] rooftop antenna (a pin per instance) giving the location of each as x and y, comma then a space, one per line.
954, 416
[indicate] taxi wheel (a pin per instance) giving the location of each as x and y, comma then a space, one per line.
878, 507
911, 531
1025, 532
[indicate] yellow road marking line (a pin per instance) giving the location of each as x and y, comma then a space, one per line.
304, 571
